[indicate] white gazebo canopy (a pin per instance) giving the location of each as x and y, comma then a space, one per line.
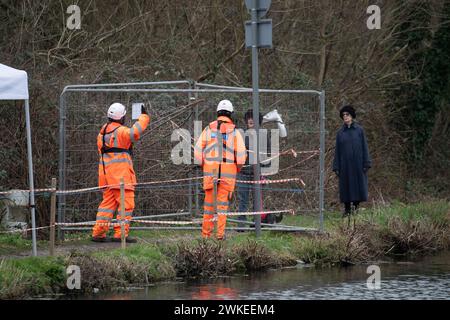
13, 84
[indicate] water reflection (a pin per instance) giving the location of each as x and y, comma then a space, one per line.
411, 287
426, 279
214, 292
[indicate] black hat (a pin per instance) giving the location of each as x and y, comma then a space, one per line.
348, 109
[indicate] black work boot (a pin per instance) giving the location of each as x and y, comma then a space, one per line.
355, 208
101, 239
348, 209
131, 240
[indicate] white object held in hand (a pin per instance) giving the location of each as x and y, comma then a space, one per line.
136, 110
274, 116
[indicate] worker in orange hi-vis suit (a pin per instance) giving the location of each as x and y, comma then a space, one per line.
115, 142
221, 152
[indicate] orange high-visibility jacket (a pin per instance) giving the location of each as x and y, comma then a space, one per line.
220, 162
115, 158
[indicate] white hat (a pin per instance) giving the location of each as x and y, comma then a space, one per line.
225, 105
116, 111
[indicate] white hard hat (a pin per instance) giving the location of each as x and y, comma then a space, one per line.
225, 105
116, 111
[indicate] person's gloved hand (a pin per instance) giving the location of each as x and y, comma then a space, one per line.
336, 172
143, 110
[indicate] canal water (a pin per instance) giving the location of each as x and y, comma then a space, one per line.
428, 278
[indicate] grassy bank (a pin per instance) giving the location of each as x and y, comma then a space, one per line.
399, 229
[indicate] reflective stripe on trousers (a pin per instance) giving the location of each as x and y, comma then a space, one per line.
222, 201
109, 205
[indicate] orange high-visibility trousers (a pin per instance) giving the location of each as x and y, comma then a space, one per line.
106, 210
223, 198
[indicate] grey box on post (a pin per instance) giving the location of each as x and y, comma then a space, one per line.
264, 39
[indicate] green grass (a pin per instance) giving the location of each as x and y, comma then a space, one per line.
276, 241
157, 264
420, 228
299, 220
435, 212
153, 235
316, 251
10, 242
28, 276
14, 243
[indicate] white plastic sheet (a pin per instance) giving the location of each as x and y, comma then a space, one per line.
274, 116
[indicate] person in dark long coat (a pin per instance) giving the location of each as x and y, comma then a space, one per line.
351, 161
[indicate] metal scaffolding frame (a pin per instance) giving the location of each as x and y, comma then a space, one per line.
193, 90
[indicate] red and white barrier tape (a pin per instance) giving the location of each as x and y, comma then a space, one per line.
230, 214
148, 183
271, 181
195, 221
99, 188
127, 185
73, 224
112, 224
24, 230
256, 213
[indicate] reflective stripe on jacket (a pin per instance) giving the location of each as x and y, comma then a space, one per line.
119, 164
220, 153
